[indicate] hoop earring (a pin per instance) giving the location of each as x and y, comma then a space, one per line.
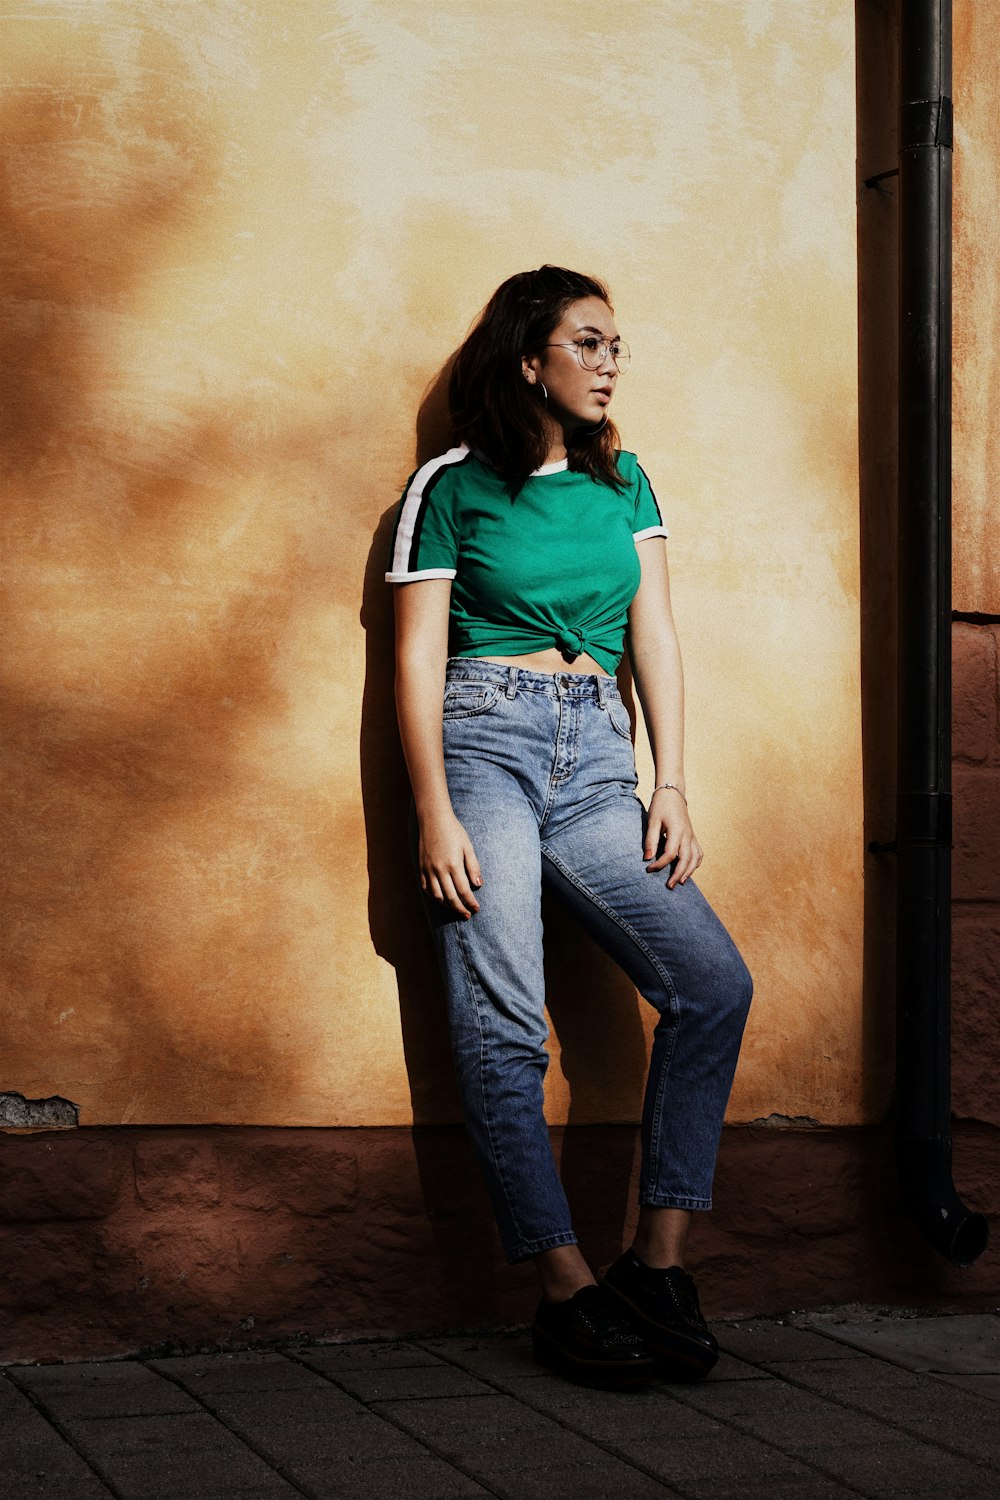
545, 394
593, 431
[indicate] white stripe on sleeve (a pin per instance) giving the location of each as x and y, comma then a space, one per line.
409, 512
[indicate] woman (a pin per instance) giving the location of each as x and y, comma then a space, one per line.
524, 555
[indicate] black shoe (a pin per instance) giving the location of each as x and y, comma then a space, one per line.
663, 1306
590, 1340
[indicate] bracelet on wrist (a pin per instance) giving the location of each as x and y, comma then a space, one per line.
671, 786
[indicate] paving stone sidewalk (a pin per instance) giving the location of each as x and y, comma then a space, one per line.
894, 1407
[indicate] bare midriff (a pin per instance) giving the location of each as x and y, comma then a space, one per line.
550, 661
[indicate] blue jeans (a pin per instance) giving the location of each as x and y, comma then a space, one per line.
542, 776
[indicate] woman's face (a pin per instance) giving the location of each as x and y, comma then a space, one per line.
577, 397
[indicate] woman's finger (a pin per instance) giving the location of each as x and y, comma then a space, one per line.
452, 898
669, 854
680, 870
440, 887
679, 873
473, 871
463, 890
655, 831
688, 861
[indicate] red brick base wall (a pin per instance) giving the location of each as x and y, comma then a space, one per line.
115, 1240
976, 873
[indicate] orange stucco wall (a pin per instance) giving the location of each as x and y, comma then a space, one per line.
976, 574
245, 239
976, 466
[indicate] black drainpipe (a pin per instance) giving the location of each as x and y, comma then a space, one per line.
923, 807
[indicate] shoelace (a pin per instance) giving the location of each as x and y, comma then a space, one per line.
607, 1317
682, 1292
685, 1297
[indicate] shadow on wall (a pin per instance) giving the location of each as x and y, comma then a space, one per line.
593, 1008
878, 264
126, 690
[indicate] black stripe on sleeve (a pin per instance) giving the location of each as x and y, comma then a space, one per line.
651, 490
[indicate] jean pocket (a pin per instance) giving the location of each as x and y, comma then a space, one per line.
463, 700
618, 714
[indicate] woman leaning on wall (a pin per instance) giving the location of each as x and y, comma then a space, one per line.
523, 560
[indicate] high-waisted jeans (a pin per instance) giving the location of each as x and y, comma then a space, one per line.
541, 774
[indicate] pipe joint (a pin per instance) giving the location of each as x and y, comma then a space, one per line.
923, 818
927, 122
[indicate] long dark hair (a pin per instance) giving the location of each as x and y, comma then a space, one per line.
494, 409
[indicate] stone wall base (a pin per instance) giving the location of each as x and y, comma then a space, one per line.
125, 1239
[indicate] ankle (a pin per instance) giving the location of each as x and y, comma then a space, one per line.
562, 1288
661, 1236
651, 1258
562, 1273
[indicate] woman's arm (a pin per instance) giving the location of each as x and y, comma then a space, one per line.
659, 680
447, 861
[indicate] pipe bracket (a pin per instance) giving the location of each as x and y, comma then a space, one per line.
923, 818
926, 122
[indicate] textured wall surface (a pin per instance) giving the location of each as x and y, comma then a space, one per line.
126, 1238
150, 1238
976, 876
976, 464
245, 238
976, 578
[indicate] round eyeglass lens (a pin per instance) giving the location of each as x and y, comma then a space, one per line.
594, 354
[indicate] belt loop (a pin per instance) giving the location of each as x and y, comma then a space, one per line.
511, 682
602, 691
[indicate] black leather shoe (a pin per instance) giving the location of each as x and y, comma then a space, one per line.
590, 1340
663, 1306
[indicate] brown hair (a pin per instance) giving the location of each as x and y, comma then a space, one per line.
493, 407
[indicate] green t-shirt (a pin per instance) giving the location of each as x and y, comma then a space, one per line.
554, 565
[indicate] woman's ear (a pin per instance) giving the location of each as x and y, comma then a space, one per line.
529, 367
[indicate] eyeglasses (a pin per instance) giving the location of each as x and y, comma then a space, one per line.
593, 352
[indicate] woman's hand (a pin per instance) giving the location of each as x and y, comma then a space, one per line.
449, 869
669, 831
